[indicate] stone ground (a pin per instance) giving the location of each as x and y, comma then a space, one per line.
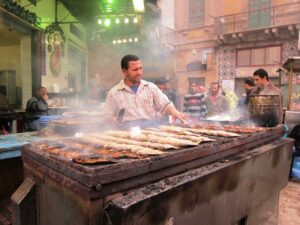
289, 204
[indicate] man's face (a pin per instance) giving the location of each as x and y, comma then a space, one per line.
247, 87
42, 93
168, 86
161, 87
194, 88
214, 88
134, 72
259, 82
201, 89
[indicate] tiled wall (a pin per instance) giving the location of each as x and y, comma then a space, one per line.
226, 62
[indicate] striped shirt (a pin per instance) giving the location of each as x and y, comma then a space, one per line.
146, 103
194, 105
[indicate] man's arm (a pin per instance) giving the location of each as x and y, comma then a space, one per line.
171, 110
36, 105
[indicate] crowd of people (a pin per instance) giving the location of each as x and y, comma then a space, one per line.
142, 102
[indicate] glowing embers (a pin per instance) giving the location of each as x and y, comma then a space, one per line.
126, 40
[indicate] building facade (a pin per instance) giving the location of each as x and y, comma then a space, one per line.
226, 42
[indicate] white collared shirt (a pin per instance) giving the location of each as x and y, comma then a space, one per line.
144, 104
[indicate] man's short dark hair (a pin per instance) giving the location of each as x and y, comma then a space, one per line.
249, 81
40, 88
261, 73
213, 83
161, 81
126, 59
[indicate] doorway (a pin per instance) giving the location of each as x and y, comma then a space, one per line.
77, 69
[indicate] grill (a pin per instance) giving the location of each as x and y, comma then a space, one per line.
107, 194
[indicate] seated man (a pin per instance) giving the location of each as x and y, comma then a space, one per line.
35, 107
216, 103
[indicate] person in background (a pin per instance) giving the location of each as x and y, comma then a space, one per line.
94, 92
138, 100
265, 87
201, 89
249, 87
161, 84
216, 103
5, 125
194, 103
36, 106
165, 86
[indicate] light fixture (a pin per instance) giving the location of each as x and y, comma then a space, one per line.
117, 20
99, 21
119, 41
124, 40
136, 39
126, 20
135, 20
130, 40
114, 42
138, 5
107, 22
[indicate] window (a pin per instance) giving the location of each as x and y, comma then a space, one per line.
259, 13
259, 56
196, 13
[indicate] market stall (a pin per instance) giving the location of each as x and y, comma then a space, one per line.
164, 175
292, 114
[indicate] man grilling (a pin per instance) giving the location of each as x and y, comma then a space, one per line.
140, 101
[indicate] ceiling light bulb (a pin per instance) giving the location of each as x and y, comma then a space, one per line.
114, 42
126, 20
107, 22
119, 41
138, 5
130, 40
117, 20
99, 21
136, 39
135, 20
124, 40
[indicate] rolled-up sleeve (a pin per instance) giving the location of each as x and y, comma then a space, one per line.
161, 101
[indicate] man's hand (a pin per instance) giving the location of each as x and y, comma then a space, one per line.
184, 118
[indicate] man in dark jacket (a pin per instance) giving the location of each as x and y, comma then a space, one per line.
36, 106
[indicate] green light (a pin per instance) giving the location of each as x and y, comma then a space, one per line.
117, 20
107, 22
135, 20
126, 20
100, 21
138, 5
